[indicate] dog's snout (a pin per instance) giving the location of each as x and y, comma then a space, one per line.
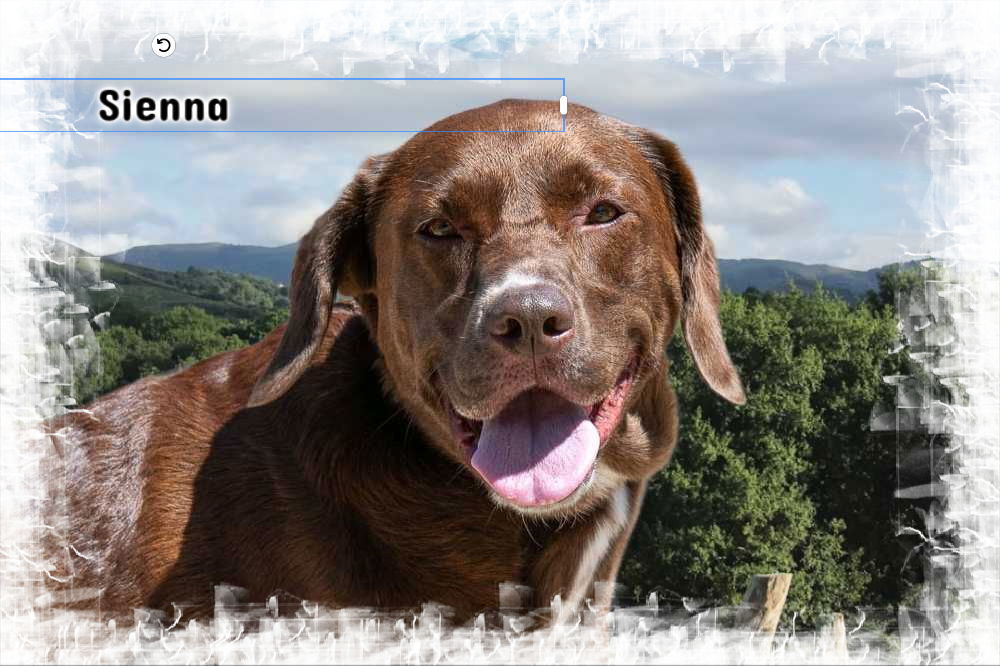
534, 318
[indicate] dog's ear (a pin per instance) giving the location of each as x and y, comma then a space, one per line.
332, 256
699, 273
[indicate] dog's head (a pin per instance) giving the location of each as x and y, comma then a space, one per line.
521, 288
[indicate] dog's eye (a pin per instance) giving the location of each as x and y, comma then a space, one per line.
603, 213
438, 228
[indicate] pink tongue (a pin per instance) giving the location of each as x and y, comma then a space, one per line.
538, 450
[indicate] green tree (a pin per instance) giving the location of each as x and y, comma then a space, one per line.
252, 330
892, 281
852, 470
124, 357
743, 494
190, 335
165, 342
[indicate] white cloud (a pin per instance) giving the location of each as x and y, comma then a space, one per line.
101, 244
88, 176
867, 250
102, 210
719, 234
119, 209
270, 160
748, 218
282, 222
779, 219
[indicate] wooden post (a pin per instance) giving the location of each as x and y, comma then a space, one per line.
763, 602
838, 637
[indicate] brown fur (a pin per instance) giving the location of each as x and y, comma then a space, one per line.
320, 461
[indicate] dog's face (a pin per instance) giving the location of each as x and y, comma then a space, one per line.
521, 288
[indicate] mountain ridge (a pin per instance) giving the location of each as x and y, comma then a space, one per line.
275, 263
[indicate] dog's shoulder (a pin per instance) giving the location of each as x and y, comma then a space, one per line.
133, 464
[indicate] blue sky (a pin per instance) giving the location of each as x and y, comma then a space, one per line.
812, 168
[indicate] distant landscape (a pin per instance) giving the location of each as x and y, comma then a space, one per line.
275, 263
146, 291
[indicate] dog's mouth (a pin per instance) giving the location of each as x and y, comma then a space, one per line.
541, 447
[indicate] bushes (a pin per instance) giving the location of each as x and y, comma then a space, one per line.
792, 481
238, 289
167, 341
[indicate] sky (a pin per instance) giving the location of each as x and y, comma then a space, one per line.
813, 164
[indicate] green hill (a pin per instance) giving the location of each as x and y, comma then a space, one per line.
144, 291
140, 292
273, 263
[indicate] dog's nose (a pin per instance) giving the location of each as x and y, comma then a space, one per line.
531, 319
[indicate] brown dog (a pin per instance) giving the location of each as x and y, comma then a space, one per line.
502, 371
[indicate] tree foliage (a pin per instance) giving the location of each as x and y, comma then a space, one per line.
240, 289
793, 480
164, 342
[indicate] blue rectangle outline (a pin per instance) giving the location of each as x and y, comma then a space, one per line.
286, 78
